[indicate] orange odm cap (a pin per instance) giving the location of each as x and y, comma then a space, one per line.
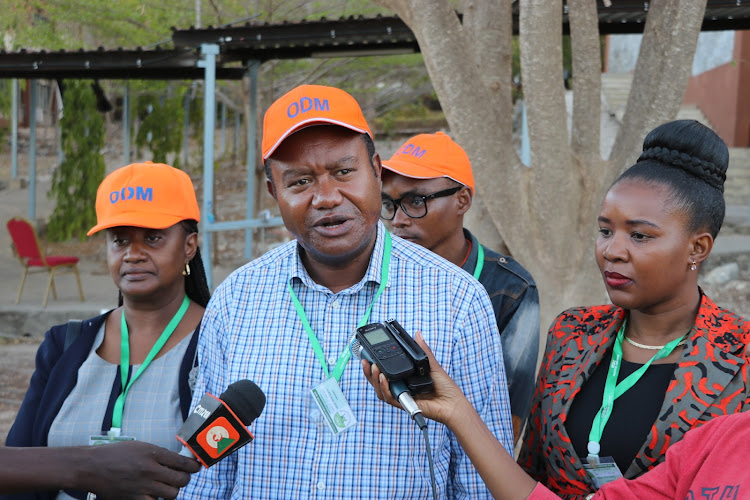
429, 156
308, 105
150, 195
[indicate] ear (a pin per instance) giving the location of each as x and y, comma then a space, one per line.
463, 199
191, 246
377, 167
271, 188
700, 247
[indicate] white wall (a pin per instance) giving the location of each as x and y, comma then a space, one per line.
714, 49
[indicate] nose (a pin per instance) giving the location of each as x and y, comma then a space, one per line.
400, 219
326, 195
614, 249
134, 252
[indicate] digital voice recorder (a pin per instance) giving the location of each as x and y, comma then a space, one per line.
396, 353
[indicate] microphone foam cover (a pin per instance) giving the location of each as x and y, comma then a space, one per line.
245, 399
356, 348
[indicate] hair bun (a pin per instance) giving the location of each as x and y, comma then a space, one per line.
689, 146
703, 169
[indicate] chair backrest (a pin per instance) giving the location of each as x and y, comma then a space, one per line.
24, 238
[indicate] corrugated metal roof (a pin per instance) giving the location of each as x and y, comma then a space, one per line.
347, 36
295, 40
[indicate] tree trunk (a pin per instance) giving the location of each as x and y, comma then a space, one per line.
546, 213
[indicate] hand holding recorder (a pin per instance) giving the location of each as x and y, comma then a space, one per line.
401, 361
448, 405
444, 403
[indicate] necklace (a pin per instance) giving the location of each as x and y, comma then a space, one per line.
652, 347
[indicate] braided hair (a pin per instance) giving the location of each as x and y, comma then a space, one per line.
691, 160
196, 286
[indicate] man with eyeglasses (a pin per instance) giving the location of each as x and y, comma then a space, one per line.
427, 188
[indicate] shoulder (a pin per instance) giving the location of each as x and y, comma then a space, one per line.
586, 320
412, 258
268, 261
267, 266
508, 266
449, 289
722, 326
55, 336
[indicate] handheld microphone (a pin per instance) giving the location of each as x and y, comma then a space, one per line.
404, 364
382, 338
217, 427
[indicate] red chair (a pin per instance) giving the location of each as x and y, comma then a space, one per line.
31, 255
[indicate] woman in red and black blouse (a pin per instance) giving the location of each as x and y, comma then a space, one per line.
657, 225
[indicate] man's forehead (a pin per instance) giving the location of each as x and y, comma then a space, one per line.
316, 137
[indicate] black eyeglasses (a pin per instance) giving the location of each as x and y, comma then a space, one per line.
413, 205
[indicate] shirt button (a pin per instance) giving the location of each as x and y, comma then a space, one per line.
336, 304
321, 485
332, 360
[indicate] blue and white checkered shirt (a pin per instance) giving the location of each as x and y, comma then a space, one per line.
251, 331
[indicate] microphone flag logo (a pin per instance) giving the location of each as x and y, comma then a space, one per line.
218, 438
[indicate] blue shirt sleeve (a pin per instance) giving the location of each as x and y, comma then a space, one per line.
217, 481
477, 367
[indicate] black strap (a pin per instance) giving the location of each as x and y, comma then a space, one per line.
71, 334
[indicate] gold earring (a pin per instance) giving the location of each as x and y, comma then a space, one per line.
186, 271
693, 266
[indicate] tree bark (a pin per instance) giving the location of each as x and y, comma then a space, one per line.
661, 74
546, 213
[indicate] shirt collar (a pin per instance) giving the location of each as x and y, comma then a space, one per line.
471, 261
372, 275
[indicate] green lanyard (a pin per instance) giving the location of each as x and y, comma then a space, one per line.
480, 261
613, 390
125, 361
344, 357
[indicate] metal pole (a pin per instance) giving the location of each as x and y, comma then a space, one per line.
223, 147
525, 141
126, 125
186, 130
236, 145
32, 151
209, 52
251, 154
60, 152
14, 130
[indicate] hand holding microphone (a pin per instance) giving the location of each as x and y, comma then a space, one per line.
444, 404
217, 427
397, 366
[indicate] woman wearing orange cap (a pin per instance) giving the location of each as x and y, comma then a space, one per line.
621, 384
127, 374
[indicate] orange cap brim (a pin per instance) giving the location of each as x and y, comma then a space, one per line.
148, 220
311, 123
414, 171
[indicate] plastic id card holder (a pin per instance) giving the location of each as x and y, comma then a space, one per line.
602, 473
333, 406
97, 439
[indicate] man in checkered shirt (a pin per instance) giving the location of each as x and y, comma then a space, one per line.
285, 320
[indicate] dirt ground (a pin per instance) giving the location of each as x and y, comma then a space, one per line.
16, 367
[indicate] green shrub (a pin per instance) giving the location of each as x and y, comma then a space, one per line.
75, 181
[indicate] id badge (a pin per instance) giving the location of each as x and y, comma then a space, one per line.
333, 406
97, 439
605, 471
